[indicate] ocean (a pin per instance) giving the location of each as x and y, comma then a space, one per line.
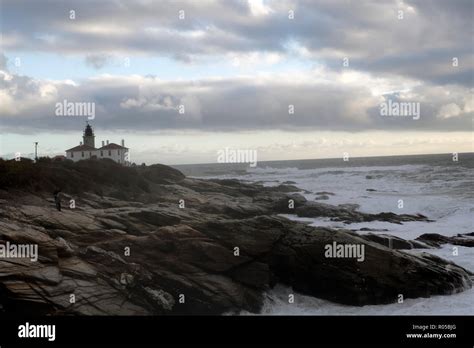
432, 185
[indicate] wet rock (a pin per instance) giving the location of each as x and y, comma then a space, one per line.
321, 198
436, 240
325, 193
372, 229
347, 213
393, 242
299, 260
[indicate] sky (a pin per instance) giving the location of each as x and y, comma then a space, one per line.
182, 80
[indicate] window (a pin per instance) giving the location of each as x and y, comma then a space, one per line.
101, 153
72, 154
110, 153
90, 154
118, 152
82, 153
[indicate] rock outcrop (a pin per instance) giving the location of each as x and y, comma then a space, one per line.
393, 242
159, 243
436, 240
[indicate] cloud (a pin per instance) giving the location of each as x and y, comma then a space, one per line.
421, 45
3, 61
320, 101
19, 94
425, 57
449, 110
97, 61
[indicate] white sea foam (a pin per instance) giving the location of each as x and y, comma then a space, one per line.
443, 194
456, 304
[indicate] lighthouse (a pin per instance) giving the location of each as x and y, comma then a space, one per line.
89, 137
87, 150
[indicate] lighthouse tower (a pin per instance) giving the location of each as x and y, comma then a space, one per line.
89, 137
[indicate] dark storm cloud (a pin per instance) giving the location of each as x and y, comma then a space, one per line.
231, 104
368, 32
381, 48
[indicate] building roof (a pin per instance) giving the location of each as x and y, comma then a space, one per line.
112, 146
82, 148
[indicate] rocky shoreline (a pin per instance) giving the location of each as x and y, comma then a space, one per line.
150, 241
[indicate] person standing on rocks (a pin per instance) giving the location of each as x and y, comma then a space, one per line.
57, 199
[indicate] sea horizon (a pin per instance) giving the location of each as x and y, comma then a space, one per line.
209, 169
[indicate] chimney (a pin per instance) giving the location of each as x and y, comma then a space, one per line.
123, 143
103, 143
107, 142
80, 143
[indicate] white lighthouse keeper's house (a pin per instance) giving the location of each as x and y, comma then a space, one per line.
87, 149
